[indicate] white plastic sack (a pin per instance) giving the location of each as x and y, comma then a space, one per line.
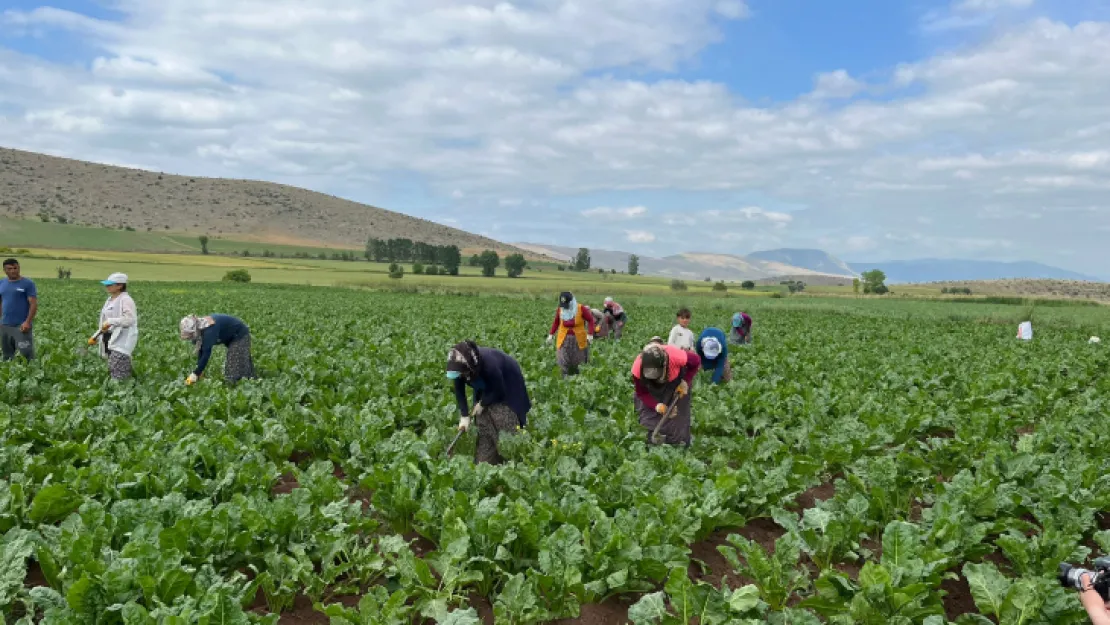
1094, 339
1025, 331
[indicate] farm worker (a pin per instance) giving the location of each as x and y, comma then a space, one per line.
573, 332
741, 332
501, 401
207, 332
713, 351
19, 303
661, 375
682, 336
616, 317
601, 323
1089, 596
119, 327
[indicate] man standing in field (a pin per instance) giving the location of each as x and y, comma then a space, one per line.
19, 303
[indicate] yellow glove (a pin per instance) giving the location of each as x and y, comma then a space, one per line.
92, 341
683, 389
191, 380
661, 408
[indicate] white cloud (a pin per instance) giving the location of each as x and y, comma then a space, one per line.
606, 212
838, 84
489, 100
748, 214
991, 5
639, 236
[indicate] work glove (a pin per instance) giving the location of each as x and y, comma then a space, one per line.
550, 339
589, 339
464, 424
478, 409
683, 389
661, 408
191, 380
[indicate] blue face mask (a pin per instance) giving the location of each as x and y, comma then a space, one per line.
453, 375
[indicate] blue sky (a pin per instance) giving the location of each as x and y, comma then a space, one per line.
871, 129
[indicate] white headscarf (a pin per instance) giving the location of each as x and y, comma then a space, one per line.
191, 327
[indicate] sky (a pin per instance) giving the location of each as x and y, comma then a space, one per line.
872, 129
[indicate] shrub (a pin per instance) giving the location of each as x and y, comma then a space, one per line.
444, 271
678, 285
562, 268
777, 295
747, 285
418, 268
237, 275
431, 270
396, 271
720, 286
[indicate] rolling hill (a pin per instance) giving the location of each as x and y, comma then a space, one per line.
817, 261
952, 270
78, 192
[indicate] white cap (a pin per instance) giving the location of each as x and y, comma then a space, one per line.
711, 347
115, 278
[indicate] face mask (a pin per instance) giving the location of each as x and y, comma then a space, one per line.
453, 375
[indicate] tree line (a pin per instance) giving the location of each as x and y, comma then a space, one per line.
406, 250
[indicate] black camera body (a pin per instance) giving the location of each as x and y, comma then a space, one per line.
1069, 577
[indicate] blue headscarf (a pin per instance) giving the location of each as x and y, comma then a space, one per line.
737, 320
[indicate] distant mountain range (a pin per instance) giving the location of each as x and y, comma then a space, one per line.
697, 266
798, 263
950, 270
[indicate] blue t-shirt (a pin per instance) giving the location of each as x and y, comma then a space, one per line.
14, 300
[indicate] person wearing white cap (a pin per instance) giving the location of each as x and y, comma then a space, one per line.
119, 327
713, 350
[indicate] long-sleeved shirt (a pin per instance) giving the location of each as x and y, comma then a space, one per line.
224, 330
122, 317
499, 380
587, 319
644, 394
682, 338
717, 363
615, 309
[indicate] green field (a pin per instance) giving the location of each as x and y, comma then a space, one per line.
874, 461
28, 233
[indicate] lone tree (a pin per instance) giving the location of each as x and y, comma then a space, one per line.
514, 265
874, 282
633, 265
747, 285
582, 260
489, 261
450, 257
203, 243
475, 261
855, 285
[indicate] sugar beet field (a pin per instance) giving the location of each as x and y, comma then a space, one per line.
873, 462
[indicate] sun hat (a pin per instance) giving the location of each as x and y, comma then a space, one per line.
115, 278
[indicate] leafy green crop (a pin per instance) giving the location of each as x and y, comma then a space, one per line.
949, 457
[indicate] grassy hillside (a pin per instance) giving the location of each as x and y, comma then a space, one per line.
35, 185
